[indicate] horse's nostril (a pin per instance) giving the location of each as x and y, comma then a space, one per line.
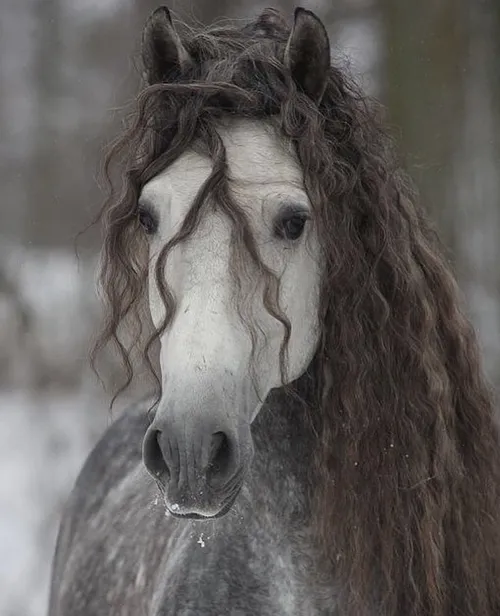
220, 455
153, 456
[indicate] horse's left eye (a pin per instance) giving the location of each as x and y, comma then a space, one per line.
291, 227
147, 220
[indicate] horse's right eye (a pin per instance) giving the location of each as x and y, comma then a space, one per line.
147, 220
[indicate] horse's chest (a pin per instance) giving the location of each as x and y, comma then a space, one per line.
149, 565
233, 576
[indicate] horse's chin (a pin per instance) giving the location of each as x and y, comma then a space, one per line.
210, 514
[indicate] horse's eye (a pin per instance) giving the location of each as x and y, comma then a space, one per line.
291, 226
147, 220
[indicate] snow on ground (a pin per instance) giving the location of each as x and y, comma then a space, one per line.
51, 410
44, 439
51, 413
61, 313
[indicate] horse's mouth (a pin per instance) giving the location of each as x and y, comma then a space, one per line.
226, 506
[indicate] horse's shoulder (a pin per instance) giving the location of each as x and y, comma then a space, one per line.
115, 454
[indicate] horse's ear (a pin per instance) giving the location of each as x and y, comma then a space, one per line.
307, 54
163, 54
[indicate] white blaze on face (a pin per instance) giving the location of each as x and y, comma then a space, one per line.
206, 341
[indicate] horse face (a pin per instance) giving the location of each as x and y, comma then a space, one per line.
220, 354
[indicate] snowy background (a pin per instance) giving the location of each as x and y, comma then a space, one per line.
66, 71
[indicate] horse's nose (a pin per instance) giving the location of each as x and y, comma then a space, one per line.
191, 467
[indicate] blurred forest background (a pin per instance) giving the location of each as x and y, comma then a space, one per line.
67, 71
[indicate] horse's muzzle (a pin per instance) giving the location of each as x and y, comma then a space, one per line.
198, 468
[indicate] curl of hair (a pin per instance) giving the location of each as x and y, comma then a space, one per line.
406, 506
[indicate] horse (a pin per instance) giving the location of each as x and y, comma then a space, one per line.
321, 440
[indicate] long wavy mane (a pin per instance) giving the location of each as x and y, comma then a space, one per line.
406, 506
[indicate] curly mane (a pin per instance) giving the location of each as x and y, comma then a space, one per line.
406, 505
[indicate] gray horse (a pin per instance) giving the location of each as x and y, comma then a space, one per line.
323, 440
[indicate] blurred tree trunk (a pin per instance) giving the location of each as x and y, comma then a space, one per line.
426, 44
205, 12
495, 74
43, 178
495, 65
482, 145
